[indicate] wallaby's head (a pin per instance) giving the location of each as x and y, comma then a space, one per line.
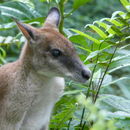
52, 53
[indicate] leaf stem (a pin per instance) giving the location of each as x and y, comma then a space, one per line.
82, 116
69, 14
105, 74
89, 87
61, 7
83, 125
69, 123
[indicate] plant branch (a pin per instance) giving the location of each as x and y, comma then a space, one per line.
89, 87
87, 94
69, 123
69, 14
82, 117
61, 7
104, 74
83, 125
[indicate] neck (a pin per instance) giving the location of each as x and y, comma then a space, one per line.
26, 58
26, 52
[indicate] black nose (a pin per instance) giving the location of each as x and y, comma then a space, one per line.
85, 74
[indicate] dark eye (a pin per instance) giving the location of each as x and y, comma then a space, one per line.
56, 52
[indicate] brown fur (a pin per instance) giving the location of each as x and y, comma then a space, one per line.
30, 86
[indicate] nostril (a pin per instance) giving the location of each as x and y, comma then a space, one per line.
85, 74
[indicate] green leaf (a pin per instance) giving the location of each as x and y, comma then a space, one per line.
96, 76
92, 55
98, 30
123, 124
119, 67
118, 115
124, 47
48, 1
28, 2
126, 4
8, 11
120, 57
114, 21
106, 27
78, 3
18, 10
86, 35
124, 87
72, 92
78, 39
67, 109
7, 26
57, 1
117, 30
117, 102
2, 53
6, 40
115, 81
112, 28
83, 48
43, 0
121, 13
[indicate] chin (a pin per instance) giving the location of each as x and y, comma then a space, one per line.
78, 80
81, 80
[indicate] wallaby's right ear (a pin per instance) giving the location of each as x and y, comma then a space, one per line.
53, 18
27, 30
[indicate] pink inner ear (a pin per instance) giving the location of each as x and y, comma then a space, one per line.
24, 31
53, 17
27, 30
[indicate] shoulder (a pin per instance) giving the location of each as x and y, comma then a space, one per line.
7, 73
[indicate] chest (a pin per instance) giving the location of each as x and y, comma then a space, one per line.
45, 91
43, 102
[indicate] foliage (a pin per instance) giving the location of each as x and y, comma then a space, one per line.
103, 46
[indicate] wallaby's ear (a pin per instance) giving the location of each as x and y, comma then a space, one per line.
27, 30
53, 18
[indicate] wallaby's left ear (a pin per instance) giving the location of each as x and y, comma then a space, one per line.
53, 18
27, 30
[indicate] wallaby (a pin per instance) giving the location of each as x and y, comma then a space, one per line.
30, 86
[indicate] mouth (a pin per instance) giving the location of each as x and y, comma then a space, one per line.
80, 80
81, 77
77, 78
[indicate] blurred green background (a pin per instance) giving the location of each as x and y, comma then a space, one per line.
114, 95
94, 10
